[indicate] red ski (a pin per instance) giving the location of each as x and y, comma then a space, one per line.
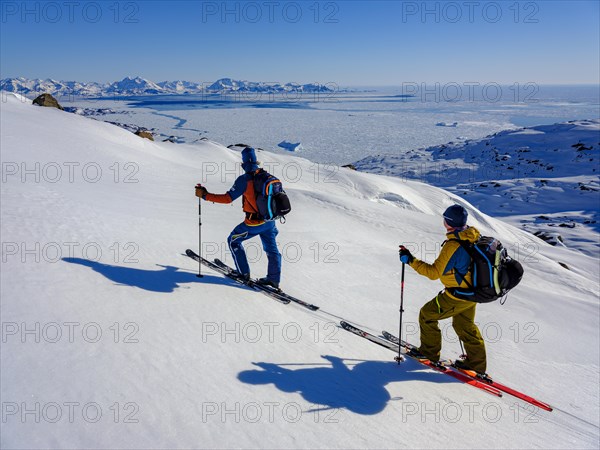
442, 369
511, 391
471, 375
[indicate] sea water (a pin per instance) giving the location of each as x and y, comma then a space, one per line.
343, 126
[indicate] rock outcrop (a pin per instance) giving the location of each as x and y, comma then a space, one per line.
47, 100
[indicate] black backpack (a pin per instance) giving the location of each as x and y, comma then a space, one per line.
271, 200
494, 273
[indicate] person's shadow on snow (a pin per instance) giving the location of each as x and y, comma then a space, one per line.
167, 279
359, 389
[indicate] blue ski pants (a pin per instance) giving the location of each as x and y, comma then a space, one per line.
267, 232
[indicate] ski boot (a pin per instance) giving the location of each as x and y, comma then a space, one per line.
243, 277
268, 283
414, 352
464, 366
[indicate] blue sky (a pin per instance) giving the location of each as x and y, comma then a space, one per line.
345, 42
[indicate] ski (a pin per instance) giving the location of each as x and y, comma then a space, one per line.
369, 337
501, 387
440, 368
227, 271
514, 393
223, 268
276, 292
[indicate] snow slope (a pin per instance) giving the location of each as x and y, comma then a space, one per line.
544, 178
111, 341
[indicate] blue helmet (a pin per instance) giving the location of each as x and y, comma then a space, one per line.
249, 162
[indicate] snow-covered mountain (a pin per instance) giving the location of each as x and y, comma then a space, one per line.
181, 87
141, 86
32, 88
134, 86
310, 87
111, 341
230, 85
545, 179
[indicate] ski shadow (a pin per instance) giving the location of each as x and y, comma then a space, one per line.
165, 280
360, 389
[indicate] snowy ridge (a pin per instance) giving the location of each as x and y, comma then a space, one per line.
29, 87
544, 178
347, 226
142, 86
567, 149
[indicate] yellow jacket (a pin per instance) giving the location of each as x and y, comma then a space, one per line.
452, 265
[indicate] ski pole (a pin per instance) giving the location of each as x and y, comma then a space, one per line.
400, 357
199, 236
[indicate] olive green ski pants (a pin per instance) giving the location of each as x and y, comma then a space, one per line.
463, 321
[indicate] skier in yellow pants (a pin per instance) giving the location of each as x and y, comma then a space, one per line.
452, 268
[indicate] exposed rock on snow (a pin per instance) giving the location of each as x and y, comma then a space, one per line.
93, 111
143, 133
47, 100
550, 238
238, 145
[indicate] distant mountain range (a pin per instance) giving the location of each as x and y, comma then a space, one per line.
141, 86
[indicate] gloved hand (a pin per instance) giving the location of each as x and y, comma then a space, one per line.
201, 191
406, 256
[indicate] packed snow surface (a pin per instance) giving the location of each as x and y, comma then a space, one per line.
111, 341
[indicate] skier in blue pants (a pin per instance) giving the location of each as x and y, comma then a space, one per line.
267, 232
253, 224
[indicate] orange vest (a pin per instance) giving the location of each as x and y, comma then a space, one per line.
249, 205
